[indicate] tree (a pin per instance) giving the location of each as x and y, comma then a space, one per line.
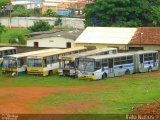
2, 29
20, 11
58, 22
50, 13
17, 7
3, 4
40, 25
128, 13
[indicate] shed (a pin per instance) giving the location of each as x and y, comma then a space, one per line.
140, 38
59, 39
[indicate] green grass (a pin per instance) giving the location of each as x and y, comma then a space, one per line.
125, 95
10, 31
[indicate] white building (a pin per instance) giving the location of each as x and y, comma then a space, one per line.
54, 39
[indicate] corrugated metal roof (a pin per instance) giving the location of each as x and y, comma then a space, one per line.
106, 35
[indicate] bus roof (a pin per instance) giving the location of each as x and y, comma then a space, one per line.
87, 53
110, 55
58, 52
6, 48
32, 53
144, 51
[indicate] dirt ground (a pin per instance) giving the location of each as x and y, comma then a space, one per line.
150, 108
16, 100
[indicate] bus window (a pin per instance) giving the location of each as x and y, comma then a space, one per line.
45, 63
141, 59
154, 57
110, 63
98, 65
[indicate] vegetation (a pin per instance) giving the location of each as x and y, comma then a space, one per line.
120, 95
13, 32
2, 29
20, 11
58, 22
3, 4
40, 25
128, 13
50, 13
17, 38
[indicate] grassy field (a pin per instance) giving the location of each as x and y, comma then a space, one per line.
110, 96
10, 31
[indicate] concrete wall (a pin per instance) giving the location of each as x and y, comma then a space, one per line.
59, 42
28, 21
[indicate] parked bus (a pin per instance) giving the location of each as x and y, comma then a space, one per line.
68, 64
47, 63
102, 66
16, 63
6, 51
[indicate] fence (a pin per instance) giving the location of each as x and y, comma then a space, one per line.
28, 21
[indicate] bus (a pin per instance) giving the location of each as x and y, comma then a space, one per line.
6, 51
68, 64
103, 66
16, 63
48, 63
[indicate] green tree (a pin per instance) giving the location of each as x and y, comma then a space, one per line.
3, 4
129, 13
50, 13
2, 29
58, 22
40, 25
20, 11
17, 7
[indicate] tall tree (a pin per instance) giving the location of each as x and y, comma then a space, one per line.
129, 13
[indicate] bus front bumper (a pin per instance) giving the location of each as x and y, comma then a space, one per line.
9, 70
35, 71
87, 77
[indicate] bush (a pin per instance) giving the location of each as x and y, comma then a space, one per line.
50, 13
58, 22
17, 38
40, 25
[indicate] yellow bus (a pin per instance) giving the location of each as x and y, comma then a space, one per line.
16, 63
6, 51
48, 63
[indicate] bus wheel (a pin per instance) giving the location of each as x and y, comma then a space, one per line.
127, 72
50, 72
104, 75
149, 69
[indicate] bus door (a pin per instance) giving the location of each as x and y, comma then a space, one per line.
111, 70
154, 59
141, 57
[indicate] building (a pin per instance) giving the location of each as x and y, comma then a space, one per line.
142, 38
58, 39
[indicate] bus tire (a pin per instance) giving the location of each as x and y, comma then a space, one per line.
50, 72
127, 72
104, 76
150, 69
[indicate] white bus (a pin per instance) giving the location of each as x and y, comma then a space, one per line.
102, 66
47, 63
16, 63
6, 51
68, 64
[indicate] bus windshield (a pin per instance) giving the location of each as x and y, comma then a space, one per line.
68, 64
9, 62
86, 66
34, 63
